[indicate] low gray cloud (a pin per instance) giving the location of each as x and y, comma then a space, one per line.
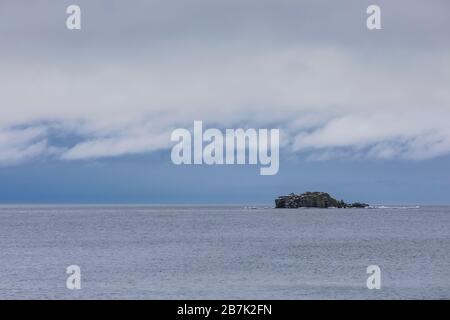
138, 70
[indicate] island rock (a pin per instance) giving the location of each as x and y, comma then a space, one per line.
314, 200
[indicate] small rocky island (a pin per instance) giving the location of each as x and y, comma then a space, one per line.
314, 200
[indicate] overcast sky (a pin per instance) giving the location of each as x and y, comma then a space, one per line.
138, 69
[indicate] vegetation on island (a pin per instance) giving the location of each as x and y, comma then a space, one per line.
314, 200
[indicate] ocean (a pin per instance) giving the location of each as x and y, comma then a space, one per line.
224, 252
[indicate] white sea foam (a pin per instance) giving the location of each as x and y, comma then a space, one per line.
394, 207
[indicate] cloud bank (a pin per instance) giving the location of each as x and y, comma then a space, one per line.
136, 72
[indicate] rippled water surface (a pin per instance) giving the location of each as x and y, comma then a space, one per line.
223, 252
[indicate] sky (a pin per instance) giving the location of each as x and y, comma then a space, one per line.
86, 115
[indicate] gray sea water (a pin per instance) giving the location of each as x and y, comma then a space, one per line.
156, 252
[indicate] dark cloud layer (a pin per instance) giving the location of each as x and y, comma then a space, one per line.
138, 69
